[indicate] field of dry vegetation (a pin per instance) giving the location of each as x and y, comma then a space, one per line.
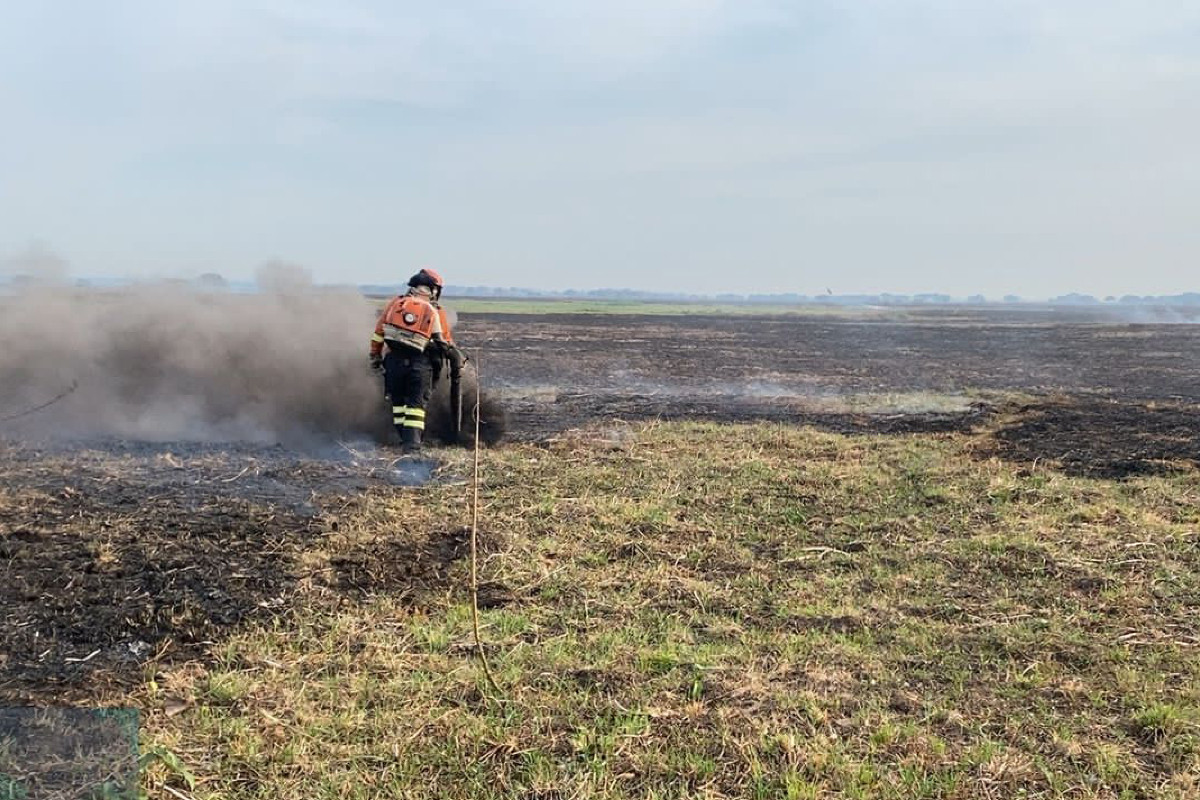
694, 610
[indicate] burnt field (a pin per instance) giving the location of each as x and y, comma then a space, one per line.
1081, 388
94, 534
953, 549
129, 563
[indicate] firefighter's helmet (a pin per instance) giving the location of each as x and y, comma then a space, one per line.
427, 277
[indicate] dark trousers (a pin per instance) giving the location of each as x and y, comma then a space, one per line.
408, 379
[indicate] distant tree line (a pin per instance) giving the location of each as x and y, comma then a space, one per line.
788, 298
212, 281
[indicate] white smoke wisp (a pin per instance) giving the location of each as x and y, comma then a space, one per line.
36, 264
158, 363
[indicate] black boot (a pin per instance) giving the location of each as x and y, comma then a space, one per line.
410, 440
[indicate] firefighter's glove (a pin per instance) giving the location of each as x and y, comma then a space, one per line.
376, 363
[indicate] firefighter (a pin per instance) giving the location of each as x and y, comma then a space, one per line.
412, 330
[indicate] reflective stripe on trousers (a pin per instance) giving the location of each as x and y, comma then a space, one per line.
408, 417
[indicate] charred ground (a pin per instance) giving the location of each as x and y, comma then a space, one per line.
125, 562
143, 550
1036, 351
116, 555
1103, 396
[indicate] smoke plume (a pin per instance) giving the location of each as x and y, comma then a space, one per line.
170, 362
36, 264
160, 363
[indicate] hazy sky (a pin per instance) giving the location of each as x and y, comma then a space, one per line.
751, 145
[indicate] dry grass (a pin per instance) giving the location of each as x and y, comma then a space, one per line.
725, 611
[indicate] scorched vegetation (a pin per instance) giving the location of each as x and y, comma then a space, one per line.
694, 610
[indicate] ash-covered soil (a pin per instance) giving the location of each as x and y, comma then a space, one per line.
1120, 394
1101, 438
113, 555
929, 350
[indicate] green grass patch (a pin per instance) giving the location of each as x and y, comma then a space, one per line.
733, 611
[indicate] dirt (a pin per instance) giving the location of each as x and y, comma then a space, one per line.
576, 409
116, 555
408, 568
1115, 398
804, 356
1102, 438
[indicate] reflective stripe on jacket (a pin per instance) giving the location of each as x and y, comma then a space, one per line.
408, 321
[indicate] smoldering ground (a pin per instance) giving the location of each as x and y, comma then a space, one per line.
169, 363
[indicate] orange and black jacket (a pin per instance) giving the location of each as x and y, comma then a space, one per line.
409, 321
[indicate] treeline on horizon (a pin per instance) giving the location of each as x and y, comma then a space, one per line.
215, 282
787, 298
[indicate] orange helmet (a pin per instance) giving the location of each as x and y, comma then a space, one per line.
426, 277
